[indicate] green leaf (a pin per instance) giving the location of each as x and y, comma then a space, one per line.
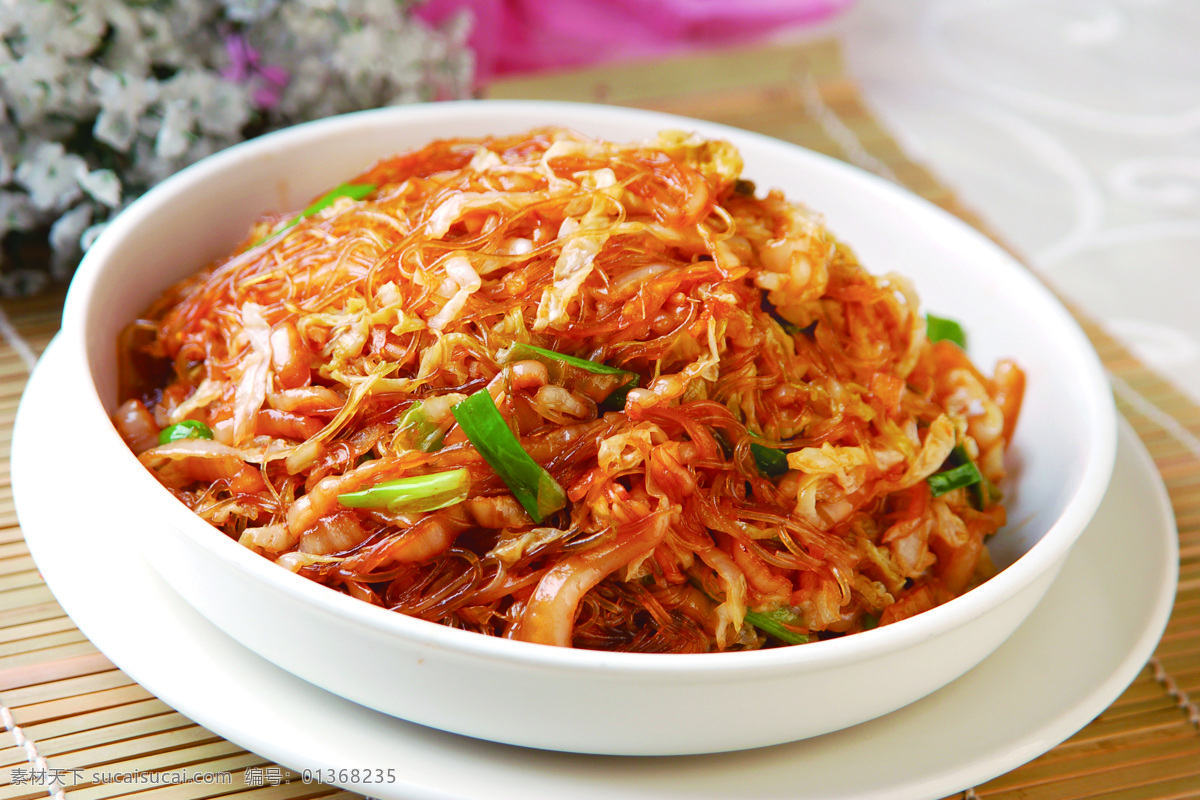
535, 489
355, 191
780, 623
413, 494
188, 429
939, 328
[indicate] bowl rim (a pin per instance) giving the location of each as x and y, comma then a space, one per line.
1047, 553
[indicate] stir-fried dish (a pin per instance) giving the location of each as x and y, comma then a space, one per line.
580, 393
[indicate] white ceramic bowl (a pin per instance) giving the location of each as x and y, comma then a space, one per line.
579, 700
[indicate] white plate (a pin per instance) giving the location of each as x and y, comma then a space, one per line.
1060, 459
1074, 655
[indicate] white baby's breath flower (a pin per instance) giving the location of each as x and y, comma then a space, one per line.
6, 164
147, 167
102, 99
195, 104
39, 84
91, 235
217, 106
64, 240
298, 25
249, 10
308, 83
175, 133
103, 185
188, 18
39, 24
65, 232
78, 32
23, 282
51, 176
318, 6
380, 12
139, 38
352, 63
10, 18
161, 45
457, 29
366, 60
16, 212
123, 99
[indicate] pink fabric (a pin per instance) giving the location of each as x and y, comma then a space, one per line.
514, 36
267, 81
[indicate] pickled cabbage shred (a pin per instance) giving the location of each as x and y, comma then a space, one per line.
719, 416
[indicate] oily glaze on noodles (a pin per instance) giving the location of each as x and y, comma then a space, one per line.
780, 471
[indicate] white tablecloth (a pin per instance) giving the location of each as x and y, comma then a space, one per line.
1073, 128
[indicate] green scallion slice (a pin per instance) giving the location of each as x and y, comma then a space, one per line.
984, 494
417, 493
780, 623
957, 471
529, 352
188, 429
939, 328
954, 478
788, 326
771, 462
355, 191
535, 489
422, 434
525, 352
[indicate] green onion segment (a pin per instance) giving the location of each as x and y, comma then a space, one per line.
958, 471
417, 493
422, 434
771, 462
984, 494
188, 429
535, 489
355, 191
954, 478
788, 326
780, 623
528, 352
940, 328
522, 352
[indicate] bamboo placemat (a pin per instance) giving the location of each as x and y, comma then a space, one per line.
65, 707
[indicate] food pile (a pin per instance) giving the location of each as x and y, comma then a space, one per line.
579, 393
